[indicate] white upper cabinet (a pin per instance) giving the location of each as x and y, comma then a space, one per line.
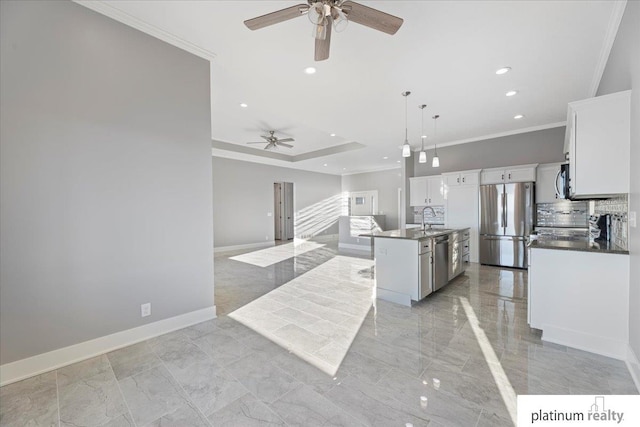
435, 193
418, 191
524, 173
426, 191
460, 178
546, 183
598, 144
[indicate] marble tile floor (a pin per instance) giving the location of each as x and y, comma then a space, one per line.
422, 365
272, 255
316, 315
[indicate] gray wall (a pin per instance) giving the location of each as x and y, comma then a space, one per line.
543, 146
622, 73
243, 195
387, 183
105, 178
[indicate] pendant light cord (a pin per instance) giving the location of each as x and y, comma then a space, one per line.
422, 107
406, 113
435, 133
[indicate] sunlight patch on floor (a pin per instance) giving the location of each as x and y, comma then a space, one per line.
505, 388
317, 315
275, 254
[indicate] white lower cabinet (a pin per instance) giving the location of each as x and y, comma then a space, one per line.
580, 299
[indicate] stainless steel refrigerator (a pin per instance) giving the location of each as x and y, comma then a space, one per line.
506, 220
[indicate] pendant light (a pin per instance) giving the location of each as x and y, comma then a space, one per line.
436, 160
423, 154
406, 148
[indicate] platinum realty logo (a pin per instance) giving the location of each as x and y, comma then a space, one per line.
544, 410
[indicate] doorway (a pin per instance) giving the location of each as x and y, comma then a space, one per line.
363, 203
283, 209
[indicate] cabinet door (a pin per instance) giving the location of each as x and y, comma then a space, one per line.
451, 179
520, 175
469, 178
435, 191
546, 183
601, 151
418, 191
492, 177
462, 211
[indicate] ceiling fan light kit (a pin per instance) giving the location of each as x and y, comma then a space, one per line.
325, 14
406, 148
273, 141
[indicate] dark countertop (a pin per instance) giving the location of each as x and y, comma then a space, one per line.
577, 245
413, 233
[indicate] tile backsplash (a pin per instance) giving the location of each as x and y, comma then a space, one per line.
617, 207
429, 217
563, 213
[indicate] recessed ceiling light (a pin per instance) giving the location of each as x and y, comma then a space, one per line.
397, 161
310, 70
344, 169
503, 70
518, 116
333, 134
385, 157
325, 164
511, 93
243, 105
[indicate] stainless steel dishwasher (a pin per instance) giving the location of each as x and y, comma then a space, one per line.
440, 262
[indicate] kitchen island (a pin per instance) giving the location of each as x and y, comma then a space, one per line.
412, 263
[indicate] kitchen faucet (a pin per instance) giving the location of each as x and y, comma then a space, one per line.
433, 212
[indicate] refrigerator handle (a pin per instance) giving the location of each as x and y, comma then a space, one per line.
558, 196
504, 209
502, 203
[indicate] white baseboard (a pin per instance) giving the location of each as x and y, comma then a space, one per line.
246, 246
350, 246
45, 362
592, 343
633, 364
393, 296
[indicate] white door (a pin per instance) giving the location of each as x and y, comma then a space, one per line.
283, 209
363, 203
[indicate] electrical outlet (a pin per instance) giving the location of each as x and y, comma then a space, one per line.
266, 237
268, 213
145, 310
632, 219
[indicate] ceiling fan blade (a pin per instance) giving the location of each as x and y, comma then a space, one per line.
286, 140
256, 142
276, 17
322, 46
371, 18
284, 145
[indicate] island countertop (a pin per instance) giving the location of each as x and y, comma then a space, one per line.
413, 233
577, 245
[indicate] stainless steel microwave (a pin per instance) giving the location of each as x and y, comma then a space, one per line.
563, 182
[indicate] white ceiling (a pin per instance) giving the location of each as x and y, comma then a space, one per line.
446, 54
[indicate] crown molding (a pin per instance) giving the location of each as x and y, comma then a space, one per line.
107, 9
610, 37
500, 134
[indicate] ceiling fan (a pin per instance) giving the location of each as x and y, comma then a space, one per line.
324, 14
273, 141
